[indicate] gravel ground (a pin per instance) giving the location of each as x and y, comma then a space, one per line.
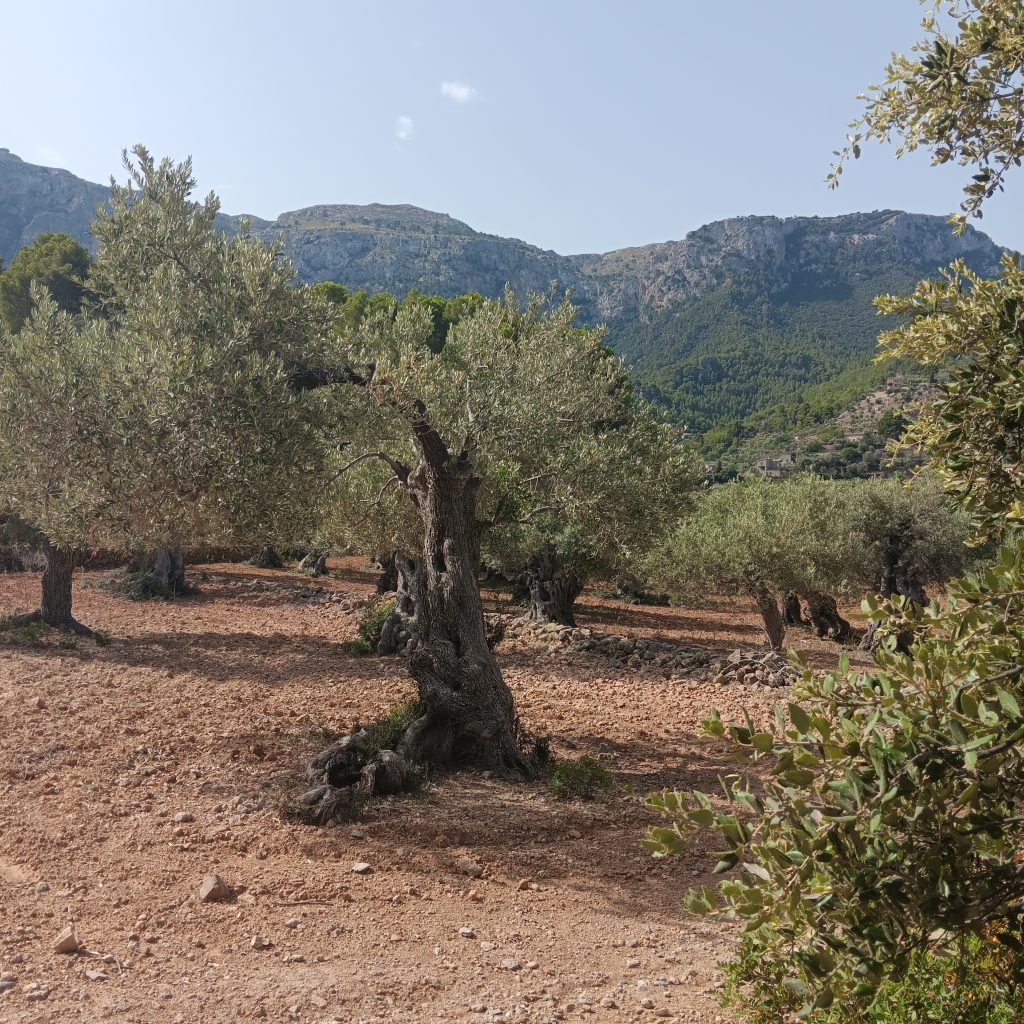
131, 772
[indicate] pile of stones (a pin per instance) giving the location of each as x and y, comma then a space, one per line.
623, 651
754, 668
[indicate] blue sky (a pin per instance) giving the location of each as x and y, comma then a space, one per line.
578, 126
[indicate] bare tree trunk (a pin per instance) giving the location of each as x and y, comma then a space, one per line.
465, 713
314, 564
898, 578
553, 591
791, 610
55, 604
159, 573
825, 617
401, 628
774, 625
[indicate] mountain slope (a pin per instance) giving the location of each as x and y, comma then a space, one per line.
736, 317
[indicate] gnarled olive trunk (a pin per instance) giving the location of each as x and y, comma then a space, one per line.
825, 617
160, 573
899, 578
468, 711
552, 589
465, 714
55, 603
387, 582
774, 625
401, 628
267, 558
792, 613
314, 564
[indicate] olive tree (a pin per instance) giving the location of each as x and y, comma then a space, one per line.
240, 452
472, 435
610, 498
170, 415
761, 538
70, 421
913, 535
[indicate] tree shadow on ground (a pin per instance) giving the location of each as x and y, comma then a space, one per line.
514, 830
271, 660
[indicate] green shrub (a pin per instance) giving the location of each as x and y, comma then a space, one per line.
387, 732
579, 779
371, 625
976, 985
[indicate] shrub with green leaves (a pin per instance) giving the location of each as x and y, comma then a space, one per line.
889, 820
580, 779
973, 985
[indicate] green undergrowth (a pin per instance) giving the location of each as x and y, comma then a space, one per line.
973, 984
371, 625
582, 778
39, 634
140, 586
386, 732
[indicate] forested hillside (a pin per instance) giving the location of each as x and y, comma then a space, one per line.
746, 317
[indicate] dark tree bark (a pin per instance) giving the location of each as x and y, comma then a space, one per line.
899, 578
55, 604
465, 711
774, 625
314, 564
401, 628
468, 712
387, 582
161, 573
553, 590
268, 558
825, 617
792, 613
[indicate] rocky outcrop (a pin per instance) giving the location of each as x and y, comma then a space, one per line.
395, 248
37, 199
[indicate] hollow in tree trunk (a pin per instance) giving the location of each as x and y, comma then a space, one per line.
774, 625
825, 617
55, 604
792, 613
553, 590
401, 629
465, 713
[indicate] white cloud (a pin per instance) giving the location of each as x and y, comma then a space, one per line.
459, 92
403, 128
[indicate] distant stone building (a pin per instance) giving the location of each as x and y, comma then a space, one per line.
777, 466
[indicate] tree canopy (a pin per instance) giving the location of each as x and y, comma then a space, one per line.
55, 262
960, 95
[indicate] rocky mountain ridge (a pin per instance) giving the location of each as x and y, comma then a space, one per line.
395, 248
739, 317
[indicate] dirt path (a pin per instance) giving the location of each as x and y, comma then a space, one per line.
130, 772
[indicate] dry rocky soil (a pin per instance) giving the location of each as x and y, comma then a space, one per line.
131, 772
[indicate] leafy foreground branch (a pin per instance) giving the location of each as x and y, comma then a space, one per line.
883, 821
